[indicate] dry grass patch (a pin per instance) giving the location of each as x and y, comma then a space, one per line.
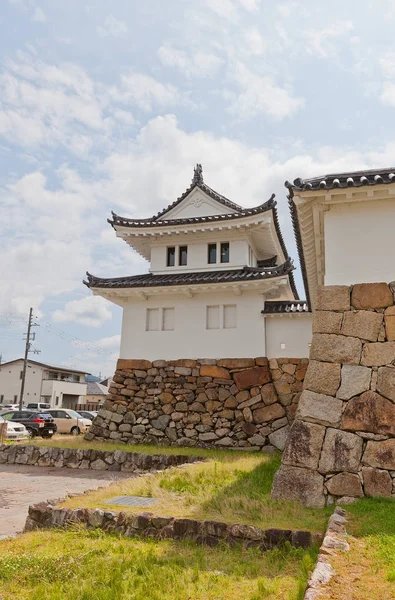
89, 565
235, 489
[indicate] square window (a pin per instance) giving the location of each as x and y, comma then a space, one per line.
183, 255
168, 319
152, 322
230, 316
171, 256
225, 252
212, 317
212, 254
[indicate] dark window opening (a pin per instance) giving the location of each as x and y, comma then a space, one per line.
212, 254
225, 252
183, 255
171, 256
21, 375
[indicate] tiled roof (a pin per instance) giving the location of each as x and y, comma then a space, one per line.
343, 180
95, 388
171, 279
284, 307
154, 222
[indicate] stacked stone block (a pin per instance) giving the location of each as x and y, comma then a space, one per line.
236, 403
342, 442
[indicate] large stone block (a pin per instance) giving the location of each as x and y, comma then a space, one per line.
386, 382
345, 484
369, 412
326, 321
341, 452
322, 377
333, 297
252, 377
128, 363
319, 408
364, 324
367, 296
378, 354
304, 445
214, 371
268, 394
380, 454
354, 381
268, 413
328, 347
300, 485
236, 363
389, 319
376, 482
279, 438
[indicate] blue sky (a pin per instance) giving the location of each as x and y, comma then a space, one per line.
107, 106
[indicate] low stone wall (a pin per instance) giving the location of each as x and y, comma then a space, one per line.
98, 460
342, 442
45, 516
238, 403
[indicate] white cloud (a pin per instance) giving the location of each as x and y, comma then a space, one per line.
255, 42
197, 64
39, 15
251, 5
287, 8
260, 94
224, 9
145, 92
387, 64
112, 27
388, 93
92, 311
319, 42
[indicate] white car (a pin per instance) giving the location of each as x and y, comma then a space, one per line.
15, 431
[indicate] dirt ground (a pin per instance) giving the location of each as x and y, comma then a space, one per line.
21, 486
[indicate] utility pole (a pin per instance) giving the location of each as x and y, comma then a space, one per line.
29, 337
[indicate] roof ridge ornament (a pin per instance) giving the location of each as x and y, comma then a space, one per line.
197, 174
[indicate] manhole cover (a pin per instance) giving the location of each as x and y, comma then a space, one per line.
132, 501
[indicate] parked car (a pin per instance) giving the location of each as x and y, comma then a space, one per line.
69, 421
36, 423
38, 406
88, 414
15, 431
10, 406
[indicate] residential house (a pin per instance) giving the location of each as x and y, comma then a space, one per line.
58, 386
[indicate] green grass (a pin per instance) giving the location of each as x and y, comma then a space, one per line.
89, 565
367, 571
233, 488
65, 441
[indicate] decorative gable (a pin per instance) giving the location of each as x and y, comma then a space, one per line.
197, 204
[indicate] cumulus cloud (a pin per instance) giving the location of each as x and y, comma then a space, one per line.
39, 15
196, 64
388, 93
260, 94
92, 311
319, 42
112, 27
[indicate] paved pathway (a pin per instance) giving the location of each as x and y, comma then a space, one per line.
21, 486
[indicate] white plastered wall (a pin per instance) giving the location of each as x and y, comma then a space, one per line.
288, 336
190, 338
360, 242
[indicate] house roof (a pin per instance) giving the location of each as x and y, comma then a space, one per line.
201, 277
96, 389
343, 180
285, 307
299, 247
45, 365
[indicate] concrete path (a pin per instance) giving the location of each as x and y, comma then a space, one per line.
21, 486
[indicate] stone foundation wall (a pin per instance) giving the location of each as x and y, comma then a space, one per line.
237, 403
342, 442
98, 460
211, 533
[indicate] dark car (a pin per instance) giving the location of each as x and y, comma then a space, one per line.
36, 423
87, 414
